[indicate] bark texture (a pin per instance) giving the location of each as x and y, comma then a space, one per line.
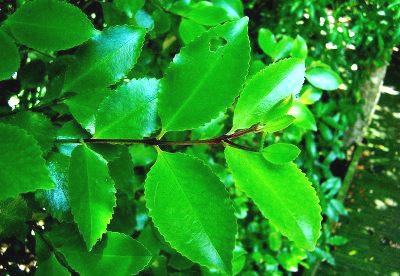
370, 91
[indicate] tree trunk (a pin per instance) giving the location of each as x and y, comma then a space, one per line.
370, 91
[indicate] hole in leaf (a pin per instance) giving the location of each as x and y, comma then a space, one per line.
216, 43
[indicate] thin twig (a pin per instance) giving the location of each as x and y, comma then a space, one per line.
155, 142
52, 249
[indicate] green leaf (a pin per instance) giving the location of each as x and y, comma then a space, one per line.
118, 254
279, 123
50, 25
56, 200
267, 88
130, 112
23, 169
9, 57
280, 109
105, 59
91, 193
142, 155
282, 193
189, 30
282, 48
121, 170
266, 41
310, 95
205, 13
84, 107
234, 8
51, 267
213, 66
13, 214
323, 78
37, 125
303, 115
299, 48
280, 153
187, 202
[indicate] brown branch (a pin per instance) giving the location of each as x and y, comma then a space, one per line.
223, 139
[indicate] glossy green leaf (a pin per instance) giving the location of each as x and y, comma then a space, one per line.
189, 30
105, 59
37, 125
280, 153
9, 57
118, 254
280, 109
51, 267
266, 41
50, 25
121, 170
234, 8
267, 88
282, 192
310, 95
213, 66
303, 115
56, 200
23, 169
205, 13
91, 192
282, 48
323, 78
279, 123
191, 208
299, 48
84, 107
130, 112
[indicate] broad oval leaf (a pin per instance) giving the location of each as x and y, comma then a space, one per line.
304, 117
91, 192
9, 56
50, 25
280, 153
189, 30
191, 208
310, 94
51, 266
279, 123
323, 78
56, 200
105, 59
37, 125
206, 13
84, 106
118, 254
282, 193
23, 169
130, 112
299, 48
266, 41
267, 88
205, 77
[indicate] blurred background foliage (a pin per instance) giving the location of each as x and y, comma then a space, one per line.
344, 43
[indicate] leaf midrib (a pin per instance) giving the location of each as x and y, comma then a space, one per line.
194, 91
170, 167
122, 118
250, 110
103, 60
283, 206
